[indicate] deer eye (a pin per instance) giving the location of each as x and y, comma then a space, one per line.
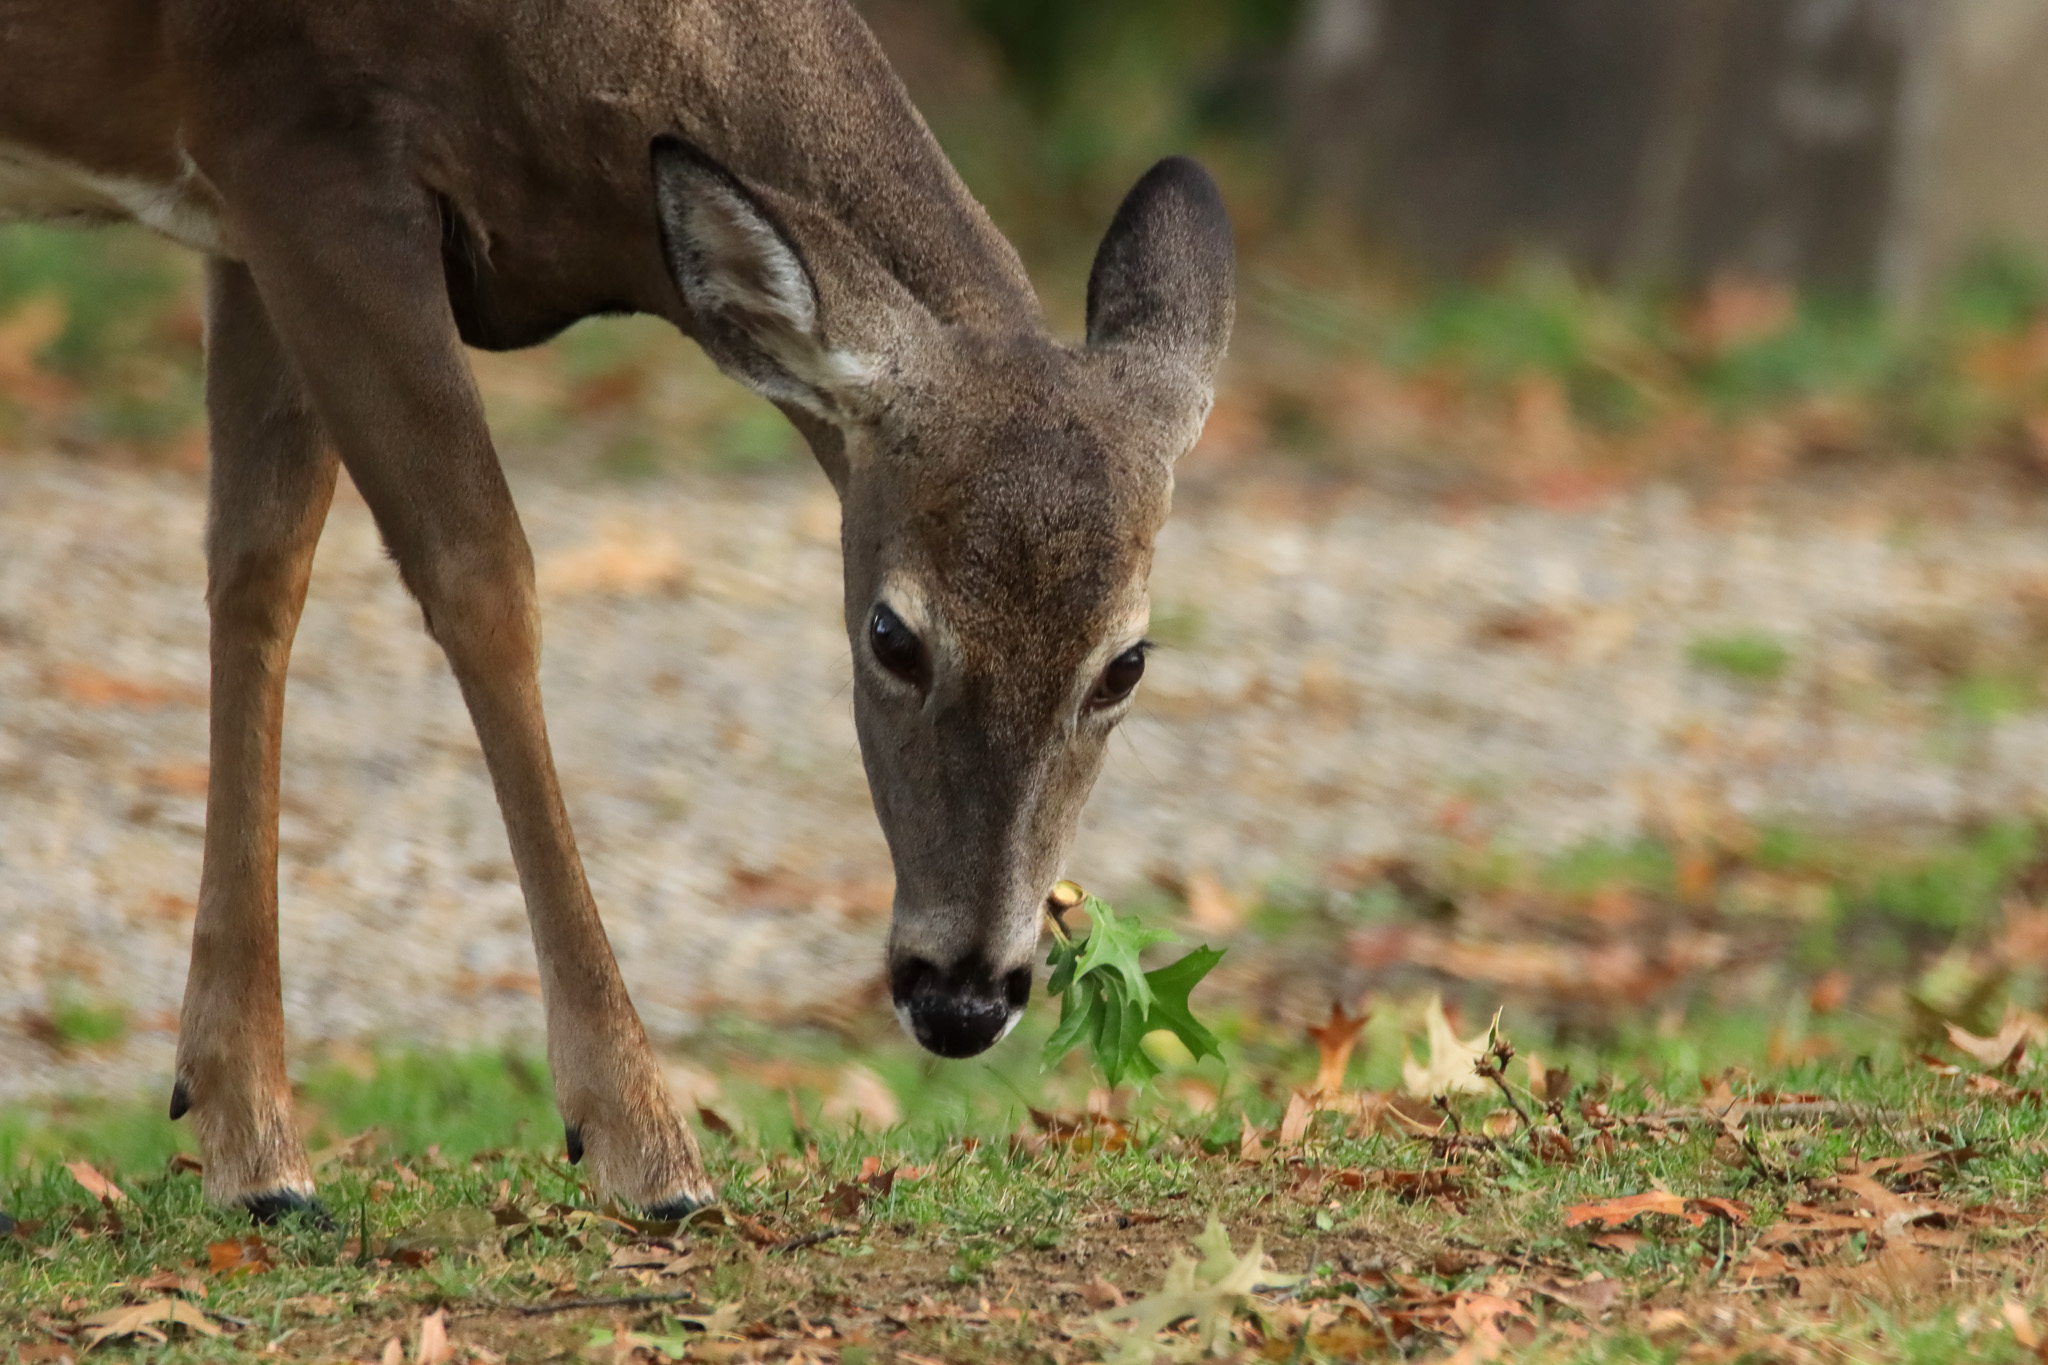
897, 647
1119, 678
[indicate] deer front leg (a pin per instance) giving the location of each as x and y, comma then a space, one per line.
272, 478
349, 267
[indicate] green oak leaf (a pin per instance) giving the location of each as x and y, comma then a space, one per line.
1110, 1002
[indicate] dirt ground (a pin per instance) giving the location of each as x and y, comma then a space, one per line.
1344, 675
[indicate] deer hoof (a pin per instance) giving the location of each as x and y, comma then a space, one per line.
677, 1208
572, 1137
181, 1101
275, 1205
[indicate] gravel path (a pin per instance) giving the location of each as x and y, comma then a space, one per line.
1346, 673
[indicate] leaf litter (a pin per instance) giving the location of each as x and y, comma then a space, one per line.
1358, 1224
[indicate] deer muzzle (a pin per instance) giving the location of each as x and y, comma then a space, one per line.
961, 1010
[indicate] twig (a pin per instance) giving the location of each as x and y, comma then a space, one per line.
1791, 1109
1443, 1104
1496, 1070
535, 1310
809, 1239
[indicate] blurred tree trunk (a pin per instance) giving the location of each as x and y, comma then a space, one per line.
1659, 140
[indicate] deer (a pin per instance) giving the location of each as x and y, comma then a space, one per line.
377, 184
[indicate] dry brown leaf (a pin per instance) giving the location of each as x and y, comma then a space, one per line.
248, 1256
95, 1184
2023, 1331
1737, 310
862, 1095
1612, 1213
713, 1121
1294, 1123
432, 1347
349, 1149
1830, 992
170, 1281
1334, 1041
2002, 1052
32, 326
1451, 1059
1213, 909
1101, 1295
140, 1319
46, 1353
1901, 1271
1591, 1298
1250, 1150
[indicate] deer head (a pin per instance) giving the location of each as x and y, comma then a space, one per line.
1000, 492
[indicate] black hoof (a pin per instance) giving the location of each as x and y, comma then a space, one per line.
280, 1204
181, 1100
574, 1137
676, 1209
6, 1225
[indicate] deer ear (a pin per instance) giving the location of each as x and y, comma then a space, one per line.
1163, 274
752, 298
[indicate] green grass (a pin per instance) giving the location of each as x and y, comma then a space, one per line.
1020, 1224
1747, 656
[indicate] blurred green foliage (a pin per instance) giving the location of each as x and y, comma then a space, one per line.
1050, 108
1749, 656
111, 319
76, 1020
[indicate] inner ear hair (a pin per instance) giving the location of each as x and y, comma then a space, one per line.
753, 301
726, 246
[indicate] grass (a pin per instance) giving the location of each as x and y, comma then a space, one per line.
989, 1210
991, 1237
1747, 656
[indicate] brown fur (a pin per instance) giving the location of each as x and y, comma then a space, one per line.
381, 181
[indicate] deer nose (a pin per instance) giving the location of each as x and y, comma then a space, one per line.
957, 1011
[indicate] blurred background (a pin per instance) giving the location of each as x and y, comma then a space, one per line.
1611, 582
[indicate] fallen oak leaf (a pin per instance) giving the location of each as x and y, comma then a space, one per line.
2002, 1052
1613, 1213
349, 1149
1211, 1291
1250, 1150
1294, 1124
432, 1347
1591, 1298
1451, 1069
1898, 1272
171, 1281
2023, 1329
246, 1256
140, 1320
95, 1184
752, 1230
1334, 1042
